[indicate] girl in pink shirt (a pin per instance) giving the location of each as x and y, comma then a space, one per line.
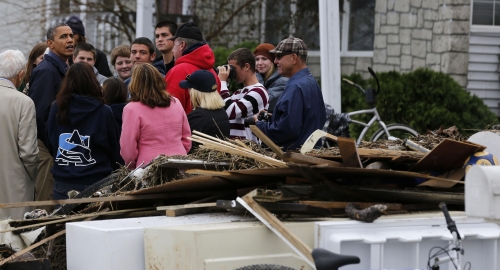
154, 122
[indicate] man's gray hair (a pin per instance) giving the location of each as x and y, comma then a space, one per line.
52, 30
189, 42
11, 63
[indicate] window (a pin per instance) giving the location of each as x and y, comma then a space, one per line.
300, 18
357, 28
486, 12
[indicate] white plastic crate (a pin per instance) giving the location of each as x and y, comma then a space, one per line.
405, 243
482, 192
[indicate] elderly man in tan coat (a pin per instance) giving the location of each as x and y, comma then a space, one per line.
18, 144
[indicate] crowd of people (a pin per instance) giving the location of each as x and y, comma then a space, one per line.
68, 122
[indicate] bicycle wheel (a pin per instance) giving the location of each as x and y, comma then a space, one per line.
265, 267
400, 131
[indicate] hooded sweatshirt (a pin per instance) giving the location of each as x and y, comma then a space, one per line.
86, 150
199, 56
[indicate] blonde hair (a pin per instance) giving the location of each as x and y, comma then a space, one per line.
148, 86
269, 72
206, 100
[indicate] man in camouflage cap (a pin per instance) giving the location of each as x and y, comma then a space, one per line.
300, 110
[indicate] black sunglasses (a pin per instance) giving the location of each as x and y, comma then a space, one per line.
279, 55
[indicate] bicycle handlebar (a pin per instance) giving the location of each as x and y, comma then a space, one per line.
451, 224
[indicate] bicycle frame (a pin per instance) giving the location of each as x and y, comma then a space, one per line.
454, 256
376, 117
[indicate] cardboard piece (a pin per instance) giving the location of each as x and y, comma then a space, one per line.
446, 156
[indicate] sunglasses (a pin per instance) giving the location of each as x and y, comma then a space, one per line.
280, 55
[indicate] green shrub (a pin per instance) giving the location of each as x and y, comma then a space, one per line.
423, 99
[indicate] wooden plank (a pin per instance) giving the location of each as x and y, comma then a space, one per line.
277, 227
186, 206
75, 218
370, 173
279, 208
19, 253
349, 153
291, 180
412, 196
88, 200
446, 156
192, 164
305, 159
311, 174
50, 238
208, 172
342, 205
275, 148
457, 175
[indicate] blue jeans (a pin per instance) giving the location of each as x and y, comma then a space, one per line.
61, 189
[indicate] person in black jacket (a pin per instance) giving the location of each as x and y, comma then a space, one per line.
208, 115
115, 95
101, 62
44, 86
82, 135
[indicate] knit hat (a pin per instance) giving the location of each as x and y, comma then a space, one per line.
188, 30
263, 49
201, 80
76, 25
291, 45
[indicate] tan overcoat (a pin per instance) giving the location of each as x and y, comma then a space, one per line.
18, 149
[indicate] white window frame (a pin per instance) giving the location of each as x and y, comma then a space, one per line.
344, 45
477, 28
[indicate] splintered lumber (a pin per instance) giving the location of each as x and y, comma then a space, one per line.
192, 164
342, 205
457, 175
280, 208
365, 153
209, 142
349, 153
276, 149
19, 253
446, 156
91, 200
50, 238
310, 160
180, 210
411, 196
313, 175
64, 220
367, 215
277, 227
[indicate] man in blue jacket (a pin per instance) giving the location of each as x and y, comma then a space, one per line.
300, 110
44, 82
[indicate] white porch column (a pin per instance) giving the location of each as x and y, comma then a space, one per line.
144, 19
329, 29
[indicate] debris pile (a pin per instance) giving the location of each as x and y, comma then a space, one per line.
380, 177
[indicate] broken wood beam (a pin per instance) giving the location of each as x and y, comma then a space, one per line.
277, 227
309, 160
100, 199
342, 205
275, 148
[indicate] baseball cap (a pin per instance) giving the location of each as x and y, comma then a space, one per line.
188, 30
290, 45
201, 80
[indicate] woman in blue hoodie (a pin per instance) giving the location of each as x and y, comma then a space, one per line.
82, 134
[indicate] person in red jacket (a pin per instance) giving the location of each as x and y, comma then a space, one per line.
191, 53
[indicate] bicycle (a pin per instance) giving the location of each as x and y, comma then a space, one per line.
388, 132
453, 254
